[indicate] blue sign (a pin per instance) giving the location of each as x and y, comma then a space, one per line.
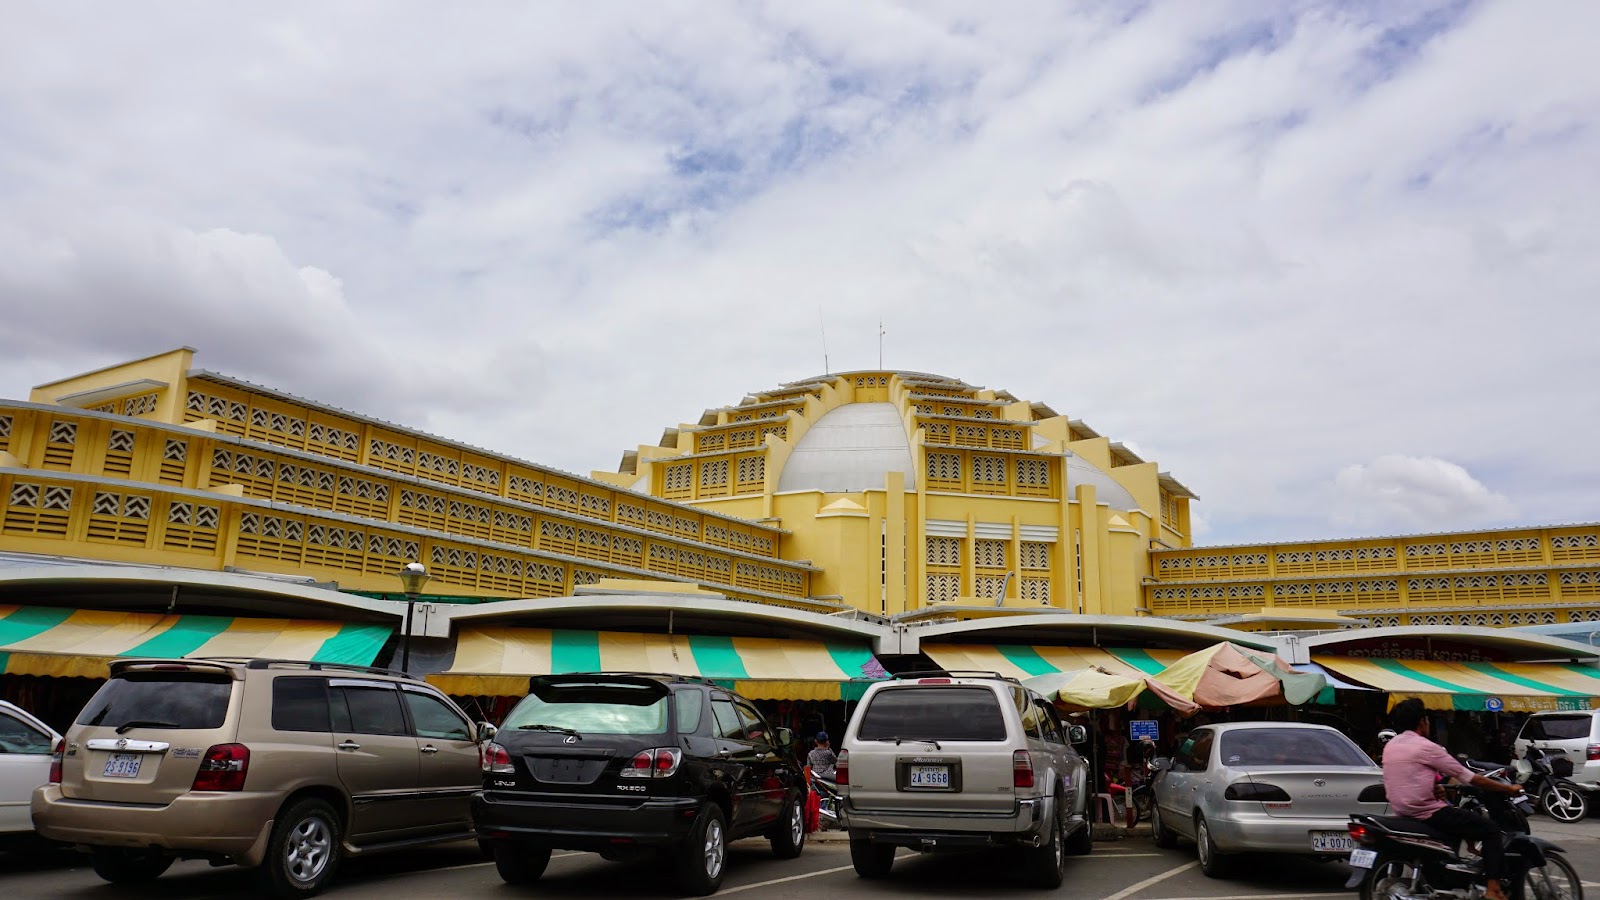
1493, 704
1144, 728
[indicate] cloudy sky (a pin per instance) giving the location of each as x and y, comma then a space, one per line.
1333, 266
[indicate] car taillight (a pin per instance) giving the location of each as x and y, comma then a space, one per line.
1255, 790
660, 762
55, 761
222, 768
841, 769
1359, 833
933, 681
1373, 793
496, 759
1021, 769
1593, 752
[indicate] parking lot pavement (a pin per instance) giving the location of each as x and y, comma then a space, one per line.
1130, 868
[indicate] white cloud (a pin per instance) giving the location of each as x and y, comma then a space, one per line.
1428, 493
1266, 240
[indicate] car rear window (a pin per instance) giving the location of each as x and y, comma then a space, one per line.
1557, 728
160, 700
953, 713
589, 708
1289, 747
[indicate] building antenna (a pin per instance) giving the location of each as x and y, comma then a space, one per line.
881, 333
823, 326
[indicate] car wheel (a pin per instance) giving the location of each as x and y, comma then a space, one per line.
871, 860
704, 854
520, 863
1564, 803
790, 838
1045, 865
1164, 837
1081, 842
303, 851
120, 866
1212, 862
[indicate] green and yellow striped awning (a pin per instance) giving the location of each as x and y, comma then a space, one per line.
1478, 686
80, 643
1022, 661
498, 661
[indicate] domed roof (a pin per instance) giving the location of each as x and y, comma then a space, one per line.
1106, 488
848, 450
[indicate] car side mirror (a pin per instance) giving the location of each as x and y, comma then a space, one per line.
1160, 764
785, 737
1077, 735
486, 731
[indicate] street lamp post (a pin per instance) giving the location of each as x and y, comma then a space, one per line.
411, 579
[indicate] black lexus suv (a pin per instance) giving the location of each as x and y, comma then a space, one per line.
628, 763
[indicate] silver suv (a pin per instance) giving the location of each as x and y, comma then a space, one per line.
959, 761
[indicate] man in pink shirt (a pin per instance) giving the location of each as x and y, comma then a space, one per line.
1411, 766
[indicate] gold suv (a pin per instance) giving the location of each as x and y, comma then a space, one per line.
280, 766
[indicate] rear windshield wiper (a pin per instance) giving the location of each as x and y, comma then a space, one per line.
900, 740
126, 727
556, 728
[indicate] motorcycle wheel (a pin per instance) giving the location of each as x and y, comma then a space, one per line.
1390, 879
1141, 805
1555, 880
1564, 803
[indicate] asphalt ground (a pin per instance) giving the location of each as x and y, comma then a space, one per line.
1123, 867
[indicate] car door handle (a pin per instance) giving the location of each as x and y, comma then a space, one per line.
724, 753
349, 745
429, 748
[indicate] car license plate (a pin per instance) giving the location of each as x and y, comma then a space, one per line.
1332, 840
1363, 859
123, 765
930, 776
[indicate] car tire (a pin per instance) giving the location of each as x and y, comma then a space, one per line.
1045, 866
871, 860
790, 837
520, 863
1164, 837
1212, 862
1081, 842
123, 866
701, 859
303, 850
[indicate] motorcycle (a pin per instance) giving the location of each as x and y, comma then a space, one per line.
1143, 795
1405, 859
1559, 798
828, 803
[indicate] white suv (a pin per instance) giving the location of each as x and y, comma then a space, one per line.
961, 761
1575, 735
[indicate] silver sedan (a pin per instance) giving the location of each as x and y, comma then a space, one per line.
1264, 787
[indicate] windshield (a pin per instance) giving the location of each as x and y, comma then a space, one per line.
594, 708
1289, 747
952, 713
161, 699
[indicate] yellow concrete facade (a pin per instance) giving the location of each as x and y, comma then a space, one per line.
986, 500
991, 514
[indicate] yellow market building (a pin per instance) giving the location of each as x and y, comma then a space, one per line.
899, 499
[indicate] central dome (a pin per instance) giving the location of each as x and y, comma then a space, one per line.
849, 449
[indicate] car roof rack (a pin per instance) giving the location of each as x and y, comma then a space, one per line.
954, 673
664, 676
261, 663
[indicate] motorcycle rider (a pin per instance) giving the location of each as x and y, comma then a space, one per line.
1411, 764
